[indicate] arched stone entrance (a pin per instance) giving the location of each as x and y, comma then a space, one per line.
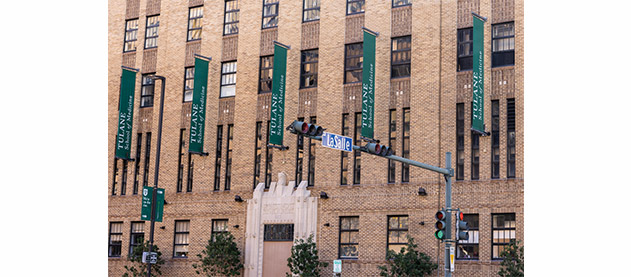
281, 204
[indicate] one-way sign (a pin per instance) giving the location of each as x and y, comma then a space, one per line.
337, 142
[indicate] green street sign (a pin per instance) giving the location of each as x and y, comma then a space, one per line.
368, 85
477, 112
125, 114
147, 196
277, 111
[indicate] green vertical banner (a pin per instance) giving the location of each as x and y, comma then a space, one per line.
147, 200
125, 113
198, 106
477, 113
368, 85
277, 111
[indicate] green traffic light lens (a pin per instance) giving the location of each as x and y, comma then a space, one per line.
439, 234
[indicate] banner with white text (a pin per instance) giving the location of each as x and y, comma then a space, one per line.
368, 85
477, 112
277, 109
125, 114
198, 106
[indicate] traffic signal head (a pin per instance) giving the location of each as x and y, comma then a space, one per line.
306, 129
440, 225
461, 227
377, 149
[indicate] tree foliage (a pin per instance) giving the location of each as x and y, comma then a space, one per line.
408, 262
513, 263
138, 268
221, 257
304, 259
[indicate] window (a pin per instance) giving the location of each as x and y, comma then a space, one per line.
228, 79
312, 157
309, 68
189, 83
218, 226
401, 57
278, 232
195, 15
137, 162
503, 44
460, 141
131, 35
405, 153
145, 180
268, 158
180, 240
354, 6
231, 18
510, 138
218, 150
180, 166
258, 143
357, 154
151, 32
137, 236
270, 13
470, 249
190, 170
349, 246
265, 74
465, 49
354, 58
115, 239
397, 232
229, 157
114, 177
124, 178
495, 139
344, 155
311, 10
147, 90
300, 142
392, 140
503, 233
399, 3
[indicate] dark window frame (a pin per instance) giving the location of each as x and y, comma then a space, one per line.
152, 38
218, 154
353, 69
460, 141
475, 152
389, 229
344, 161
465, 49
340, 243
133, 236
350, 3
495, 139
147, 90
191, 31
501, 58
225, 18
189, 78
228, 73
395, 64
278, 232
180, 166
504, 230
132, 41
305, 11
118, 246
392, 140
304, 74
405, 140
137, 162
229, 138
409, 3
145, 180
357, 154
214, 232
474, 235
258, 152
269, 69
124, 178
175, 244
115, 173
273, 21
269, 158
511, 139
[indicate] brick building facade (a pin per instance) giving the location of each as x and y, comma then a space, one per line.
429, 91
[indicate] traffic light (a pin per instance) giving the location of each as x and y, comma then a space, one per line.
440, 225
306, 129
461, 227
377, 149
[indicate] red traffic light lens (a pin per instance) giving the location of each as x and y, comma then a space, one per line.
461, 215
305, 127
440, 215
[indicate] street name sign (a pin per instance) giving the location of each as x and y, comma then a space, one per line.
337, 142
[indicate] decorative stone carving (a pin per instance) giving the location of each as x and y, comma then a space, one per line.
281, 203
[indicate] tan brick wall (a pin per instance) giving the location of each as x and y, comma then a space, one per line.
431, 93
